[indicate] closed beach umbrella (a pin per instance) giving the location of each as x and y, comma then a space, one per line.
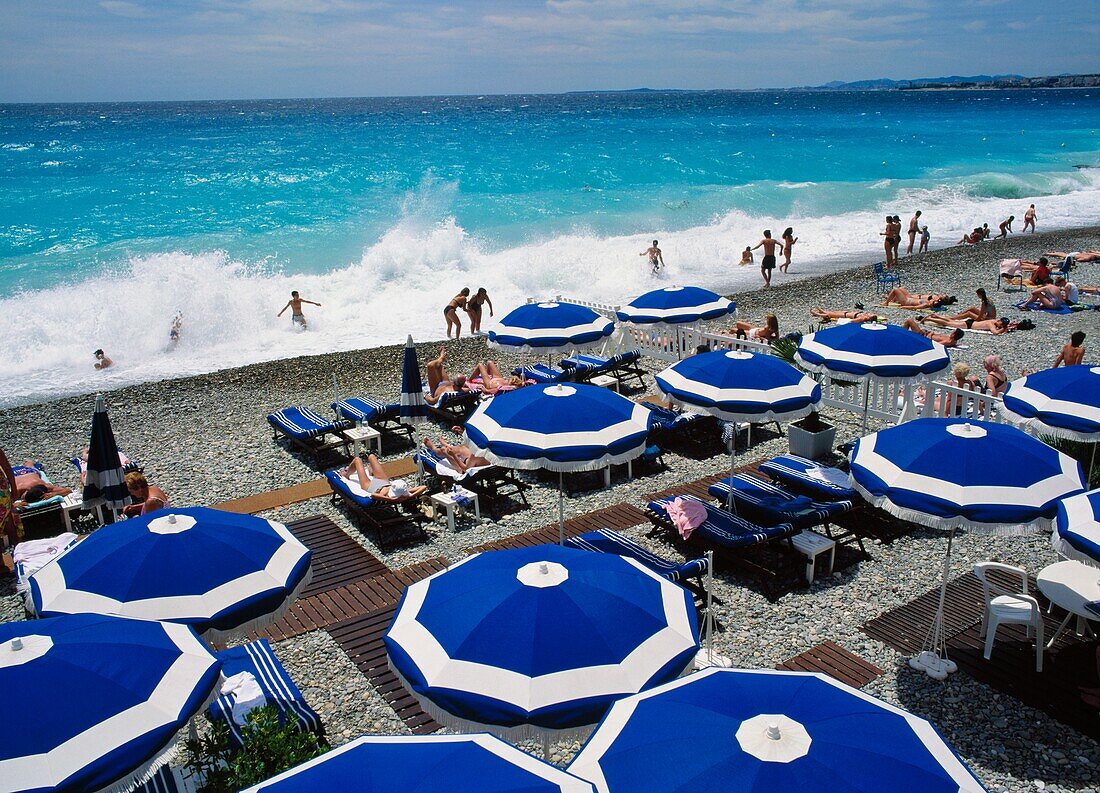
758, 731
414, 408
551, 328
954, 473
103, 480
868, 351
739, 386
1077, 528
102, 700
676, 305
222, 573
425, 763
561, 427
538, 640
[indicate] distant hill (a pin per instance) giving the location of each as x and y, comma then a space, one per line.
955, 81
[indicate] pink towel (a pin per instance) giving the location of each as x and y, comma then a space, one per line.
686, 515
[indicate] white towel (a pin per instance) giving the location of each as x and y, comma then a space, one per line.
443, 468
246, 694
33, 554
832, 476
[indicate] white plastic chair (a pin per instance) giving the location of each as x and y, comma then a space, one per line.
1004, 606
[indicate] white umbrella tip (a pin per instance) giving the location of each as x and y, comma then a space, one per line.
17, 643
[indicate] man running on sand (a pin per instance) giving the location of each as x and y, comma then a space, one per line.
656, 260
767, 264
914, 229
295, 306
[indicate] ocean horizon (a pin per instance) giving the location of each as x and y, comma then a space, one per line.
116, 216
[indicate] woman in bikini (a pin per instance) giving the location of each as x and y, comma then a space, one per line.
788, 243
460, 457
994, 326
984, 310
902, 297
493, 380
854, 316
473, 309
451, 312
995, 378
888, 240
377, 483
745, 330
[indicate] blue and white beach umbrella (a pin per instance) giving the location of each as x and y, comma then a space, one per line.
955, 473
103, 481
426, 763
1063, 402
102, 700
860, 351
758, 731
561, 427
1077, 528
222, 573
675, 305
551, 328
539, 640
414, 407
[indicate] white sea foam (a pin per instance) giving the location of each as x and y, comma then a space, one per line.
402, 281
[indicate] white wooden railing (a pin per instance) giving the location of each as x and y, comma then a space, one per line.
947, 400
882, 401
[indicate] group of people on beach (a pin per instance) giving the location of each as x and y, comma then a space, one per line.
770, 245
471, 305
891, 237
1004, 228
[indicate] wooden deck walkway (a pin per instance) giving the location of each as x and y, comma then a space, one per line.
617, 516
1070, 664
337, 558
836, 662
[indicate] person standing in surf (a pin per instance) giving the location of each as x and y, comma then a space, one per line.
914, 228
1005, 227
295, 306
788, 243
1029, 220
473, 309
767, 263
888, 240
450, 312
656, 260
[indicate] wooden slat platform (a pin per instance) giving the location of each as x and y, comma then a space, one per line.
698, 488
1067, 666
833, 660
337, 558
361, 638
617, 516
350, 600
273, 499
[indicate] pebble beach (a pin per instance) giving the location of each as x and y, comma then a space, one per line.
204, 440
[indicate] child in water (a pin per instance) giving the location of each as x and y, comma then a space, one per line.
746, 256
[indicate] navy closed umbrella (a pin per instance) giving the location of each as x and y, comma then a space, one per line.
414, 408
103, 484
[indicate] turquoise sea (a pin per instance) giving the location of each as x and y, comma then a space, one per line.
113, 217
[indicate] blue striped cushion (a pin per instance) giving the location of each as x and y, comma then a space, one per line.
726, 530
341, 486
541, 373
301, 422
796, 473
280, 691
427, 458
608, 541
768, 503
359, 409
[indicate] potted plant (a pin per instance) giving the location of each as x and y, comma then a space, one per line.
811, 437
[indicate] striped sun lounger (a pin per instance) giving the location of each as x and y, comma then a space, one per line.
624, 366
765, 502
542, 373
809, 478
608, 541
721, 529
310, 432
279, 690
383, 517
490, 481
384, 417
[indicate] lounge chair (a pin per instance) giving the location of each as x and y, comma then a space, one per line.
769, 504
493, 482
386, 418
257, 659
383, 517
43, 518
809, 478
542, 373
311, 433
453, 406
608, 541
721, 529
669, 425
624, 366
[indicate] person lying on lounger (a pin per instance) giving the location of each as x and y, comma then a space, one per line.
30, 488
900, 296
377, 482
1078, 256
946, 339
439, 382
984, 310
459, 457
853, 316
493, 381
994, 326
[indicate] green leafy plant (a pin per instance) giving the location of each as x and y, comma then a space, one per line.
269, 749
785, 349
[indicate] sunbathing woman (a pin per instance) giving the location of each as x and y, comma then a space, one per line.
493, 381
984, 310
1078, 256
439, 382
900, 296
946, 339
377, 482
745, 330
146, 497
995, 378
994, 326
853, 316
460, 457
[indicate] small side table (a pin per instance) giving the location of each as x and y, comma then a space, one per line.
357, 436
447, 501
811, 545
74, 502
605, 381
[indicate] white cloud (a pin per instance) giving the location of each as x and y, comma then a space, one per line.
123, 8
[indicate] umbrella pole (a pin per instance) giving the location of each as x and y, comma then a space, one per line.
546, 746
710, 613
561, 509
1092, 464
733, 454
933, 660
866, 394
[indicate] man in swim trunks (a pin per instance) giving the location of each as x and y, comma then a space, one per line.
1047, 296
1072, 353
1029, 219
767, 264
30, 488
946, 339
656, 260
295, 306
450, 312
914, 228
439, 382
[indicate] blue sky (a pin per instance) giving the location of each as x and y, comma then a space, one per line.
97, 50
